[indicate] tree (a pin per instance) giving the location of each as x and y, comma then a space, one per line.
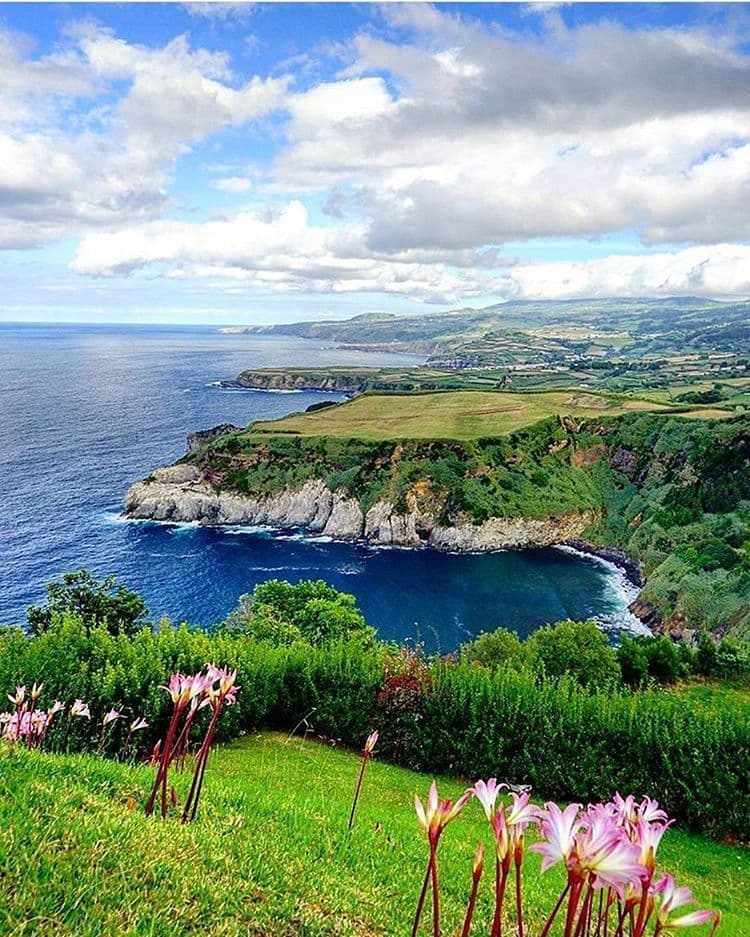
577, 649
311, 611
496, 649
97, 603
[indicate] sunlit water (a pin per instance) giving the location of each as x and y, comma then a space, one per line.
86, 410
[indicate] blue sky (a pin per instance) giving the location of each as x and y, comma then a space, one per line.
265, 162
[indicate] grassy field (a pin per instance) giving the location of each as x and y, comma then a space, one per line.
269, 855
452, 415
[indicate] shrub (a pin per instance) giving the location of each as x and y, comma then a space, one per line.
496, 649
633, 659
567, 741
310, 611
577, 649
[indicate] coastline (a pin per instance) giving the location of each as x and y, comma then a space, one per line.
613, 555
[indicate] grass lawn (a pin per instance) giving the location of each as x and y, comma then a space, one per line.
269, 854
450, 415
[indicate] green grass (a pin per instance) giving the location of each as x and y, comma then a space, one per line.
269, 854
715, 696
449, 415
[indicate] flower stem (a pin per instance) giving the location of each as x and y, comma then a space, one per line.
435, 897
575, 894
501, 877
422, 895
163, 763
519, 898
553, 915
357, 789
466, 929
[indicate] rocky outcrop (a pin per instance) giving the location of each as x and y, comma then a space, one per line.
181, 493
294, 380
201, 437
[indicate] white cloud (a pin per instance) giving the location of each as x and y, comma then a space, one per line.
215, 9
235, 184
492, 137
108, 164
427, 154
721, 271
282, 251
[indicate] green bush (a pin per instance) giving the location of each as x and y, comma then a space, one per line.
310, 611
577, 649
499, 648
633, 658
567, 741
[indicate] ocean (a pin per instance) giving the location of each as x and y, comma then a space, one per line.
88, 409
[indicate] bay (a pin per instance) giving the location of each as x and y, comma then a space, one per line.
88, 409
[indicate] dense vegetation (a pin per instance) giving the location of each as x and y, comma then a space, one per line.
673, 493
570, 731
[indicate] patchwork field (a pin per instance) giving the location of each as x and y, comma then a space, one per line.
454, 414
269, 855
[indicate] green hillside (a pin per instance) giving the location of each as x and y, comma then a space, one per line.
269, 855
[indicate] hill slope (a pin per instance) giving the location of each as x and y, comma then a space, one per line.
268, 856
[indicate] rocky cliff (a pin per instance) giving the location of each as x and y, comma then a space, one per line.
181, 493
322, 379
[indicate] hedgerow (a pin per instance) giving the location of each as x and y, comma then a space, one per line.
437, 716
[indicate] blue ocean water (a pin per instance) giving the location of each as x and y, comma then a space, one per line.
88, 409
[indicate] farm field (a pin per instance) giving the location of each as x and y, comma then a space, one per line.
455, 414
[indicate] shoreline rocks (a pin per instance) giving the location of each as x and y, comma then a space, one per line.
181, 494
619, 558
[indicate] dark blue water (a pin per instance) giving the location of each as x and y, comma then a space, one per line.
88, 409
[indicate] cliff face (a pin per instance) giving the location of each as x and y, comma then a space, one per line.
291, 380
180, 493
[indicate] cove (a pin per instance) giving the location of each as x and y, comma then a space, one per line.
420, 596
89, 409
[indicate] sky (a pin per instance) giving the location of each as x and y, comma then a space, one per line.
243, 163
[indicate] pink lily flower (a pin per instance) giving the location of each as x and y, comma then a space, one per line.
559, 828
487, 793
521, 813
137, 724
111, 716
372, 741
607, 855
79, 708
674, 897
648, 837
435, 815
36, 692
19, 697
651, 812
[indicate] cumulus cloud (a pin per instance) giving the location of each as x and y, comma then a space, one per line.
483, 136
108, 164
438, 141
283, 251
